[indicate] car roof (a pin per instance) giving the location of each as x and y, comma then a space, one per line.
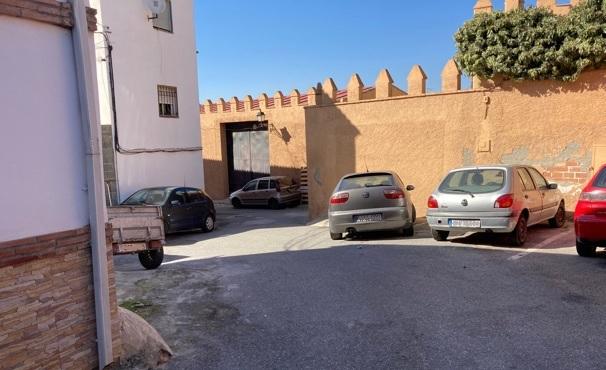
487, 166
271, 178
369, 173
167, 188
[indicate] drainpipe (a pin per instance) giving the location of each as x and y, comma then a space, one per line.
89, 111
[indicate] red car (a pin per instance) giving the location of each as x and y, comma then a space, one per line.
590, 216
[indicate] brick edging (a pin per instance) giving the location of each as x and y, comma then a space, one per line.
47, 11
18, 252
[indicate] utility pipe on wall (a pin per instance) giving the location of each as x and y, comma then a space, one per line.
84, 54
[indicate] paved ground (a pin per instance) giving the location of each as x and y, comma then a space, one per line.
264, 291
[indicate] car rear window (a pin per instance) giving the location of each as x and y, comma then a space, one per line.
366, 181
600, 180
476, 181
154, 197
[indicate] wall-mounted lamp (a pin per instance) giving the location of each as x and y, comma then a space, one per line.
261, 117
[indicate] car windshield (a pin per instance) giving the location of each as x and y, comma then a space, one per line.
366, 181
152, 197
600, 180
474, 181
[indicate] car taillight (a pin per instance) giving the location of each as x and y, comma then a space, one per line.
504, 201
432, 202
340, 198
394, 194
590, 203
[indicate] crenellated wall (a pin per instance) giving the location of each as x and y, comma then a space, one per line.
486, 6
557, 127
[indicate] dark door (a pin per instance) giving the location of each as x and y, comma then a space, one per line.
177, 210
199, 206
248, 153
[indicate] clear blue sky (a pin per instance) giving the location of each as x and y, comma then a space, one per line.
250, 47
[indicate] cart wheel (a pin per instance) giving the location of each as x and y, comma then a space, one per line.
151, 259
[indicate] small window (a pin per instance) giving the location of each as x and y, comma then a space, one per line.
263, 185
167, 101
250, 186
538, 179
273, 184
526, 179
164, 20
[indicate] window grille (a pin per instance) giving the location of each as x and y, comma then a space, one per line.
164, 20
167, 101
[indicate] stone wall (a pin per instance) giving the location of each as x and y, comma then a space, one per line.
47, 313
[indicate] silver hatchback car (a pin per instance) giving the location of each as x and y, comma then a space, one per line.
371, 201
273, 191
500, 199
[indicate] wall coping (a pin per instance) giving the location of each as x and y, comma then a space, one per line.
51, 12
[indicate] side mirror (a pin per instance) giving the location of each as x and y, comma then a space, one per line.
552, 186
410, 188
175, 203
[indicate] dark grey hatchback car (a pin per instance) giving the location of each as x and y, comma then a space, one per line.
182, 208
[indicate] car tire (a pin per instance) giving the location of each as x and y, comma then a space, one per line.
586, 249
151, 259
209, 224
409, 231
336, 236
519, 235
559, 220
273, 204
236, 203
440, 235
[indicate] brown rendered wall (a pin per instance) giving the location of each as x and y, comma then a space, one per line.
286, 144
553, 126
47, 311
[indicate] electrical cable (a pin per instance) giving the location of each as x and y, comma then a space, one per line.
117, 146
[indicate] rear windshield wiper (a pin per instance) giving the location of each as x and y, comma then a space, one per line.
462, 191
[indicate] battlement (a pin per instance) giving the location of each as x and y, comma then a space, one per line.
328, 93
485, 6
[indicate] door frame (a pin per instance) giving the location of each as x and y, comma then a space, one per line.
250, 126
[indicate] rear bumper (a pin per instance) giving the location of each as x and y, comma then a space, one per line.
500, 224
590, 229
393, 218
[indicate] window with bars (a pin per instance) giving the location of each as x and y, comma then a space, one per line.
164, 20
167, 101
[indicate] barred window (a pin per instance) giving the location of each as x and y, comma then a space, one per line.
167, 101
164, 20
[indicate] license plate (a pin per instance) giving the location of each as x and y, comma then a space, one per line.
368, 218
465, 223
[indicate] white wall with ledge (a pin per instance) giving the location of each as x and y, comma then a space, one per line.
42, 165
143, 58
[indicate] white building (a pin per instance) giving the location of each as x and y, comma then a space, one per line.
156, 125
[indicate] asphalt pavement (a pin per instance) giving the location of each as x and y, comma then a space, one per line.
267, 291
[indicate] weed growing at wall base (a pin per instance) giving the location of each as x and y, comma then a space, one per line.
534, 43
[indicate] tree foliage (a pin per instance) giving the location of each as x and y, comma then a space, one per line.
534, 43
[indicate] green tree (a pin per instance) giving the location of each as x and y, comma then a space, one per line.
534, 43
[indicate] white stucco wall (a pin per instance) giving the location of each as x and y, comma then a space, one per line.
144, 58
42, 165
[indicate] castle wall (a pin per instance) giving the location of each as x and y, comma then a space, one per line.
555, 126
